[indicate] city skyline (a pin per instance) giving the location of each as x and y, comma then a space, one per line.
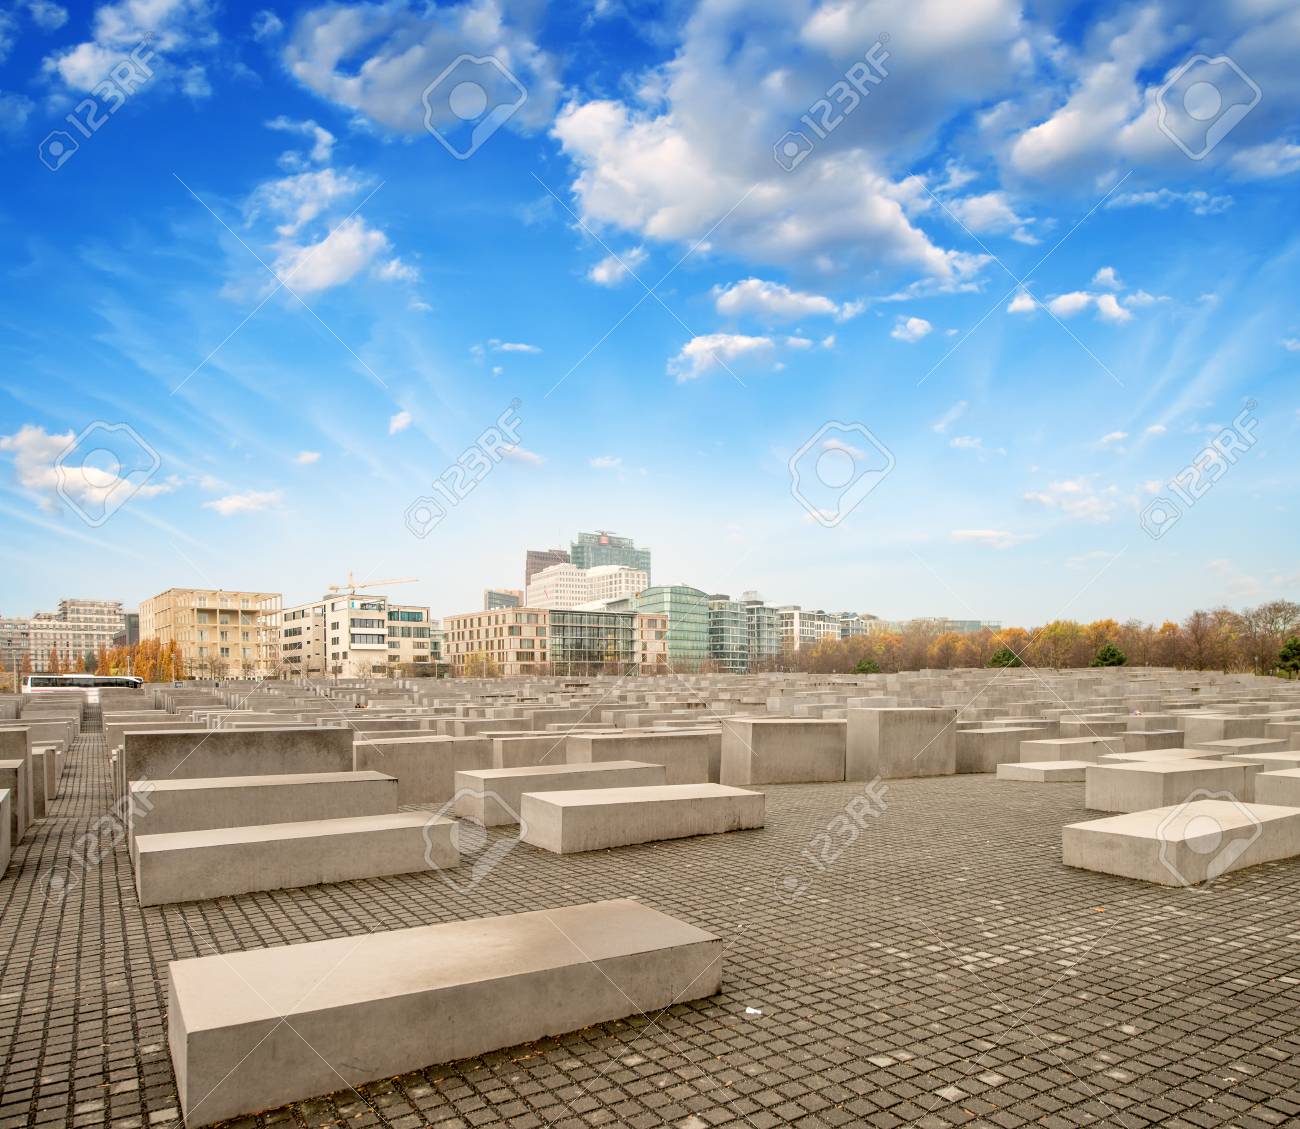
1021, 305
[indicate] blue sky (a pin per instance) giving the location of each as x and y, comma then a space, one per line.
1041, 257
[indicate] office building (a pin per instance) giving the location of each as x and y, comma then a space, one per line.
537, 559
129, 636
356, 635
217, 633
763, 626
591, 550
728, 635
76, 632
568, 586
687, 611
803, 627
494, 598
559, 641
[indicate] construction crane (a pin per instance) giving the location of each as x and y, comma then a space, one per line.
352, 587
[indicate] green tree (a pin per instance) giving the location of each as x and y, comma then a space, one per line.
1288, 658
866, 666
1109, 655
1005, 656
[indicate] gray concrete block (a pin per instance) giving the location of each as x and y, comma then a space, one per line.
493, 796
897, 743
761, 750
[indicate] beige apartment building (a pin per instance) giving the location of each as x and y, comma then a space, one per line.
75, 632
562, 641
357, 635
218, 633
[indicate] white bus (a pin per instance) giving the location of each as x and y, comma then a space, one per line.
59, 683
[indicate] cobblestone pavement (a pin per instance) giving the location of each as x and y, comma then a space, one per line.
945, 970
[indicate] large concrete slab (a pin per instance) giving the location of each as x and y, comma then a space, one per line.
688, 758
252, 1030
984, 750
425, 767
897, 743
570, 822
1278, 786
773, 750
163, 807
1158, 784
1044, 772
1184, 844
492, 796
184, 755
194, 865
1070, 748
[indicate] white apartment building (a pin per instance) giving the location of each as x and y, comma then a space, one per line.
356, 635
568, 586
802, 627
76, 631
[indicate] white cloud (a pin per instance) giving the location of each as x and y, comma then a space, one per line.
1261, 162
951, 416
251, 501
307, 458
379, 59
400, 421
910, 329
606, 462
701, 354
1113, 437
1156, 429
15, 109
1199, 202
774, 301
266, 25
1022, 303
523, 455
322, 148
613, 269
512, 347
1107, 279
993, 538
1076, 301
46, 15
334, 260
974, 444
394, 270
1109, 309
1076, 498
301, 198
991, 213
1291, 344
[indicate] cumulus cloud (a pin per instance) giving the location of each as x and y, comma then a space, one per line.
333, 260
1022, 303
399, 421
379, 58
774, 301
991, 214
613, 269
46, 15
1077, 499
322, 140
250, 501
1198, 201
910, 329
522, 455
704, 353
307, 458
1107, 279
1265, 162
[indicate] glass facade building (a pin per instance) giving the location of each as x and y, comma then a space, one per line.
763, 625
589, 643
728, 635
687, 610
591, 550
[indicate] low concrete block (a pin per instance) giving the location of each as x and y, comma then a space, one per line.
896, 743
1266, 762
6, 842
185, 755
1044, 772
1279, 786
13, 778
528, 749
761, 750
687, 757
1185, 844
362, 1008
425, 767
1242, 746
1147, 740
569, 822
165, 807
1158, 784
493, 796
1070, 748
1158, 756
193, 865
983, 750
